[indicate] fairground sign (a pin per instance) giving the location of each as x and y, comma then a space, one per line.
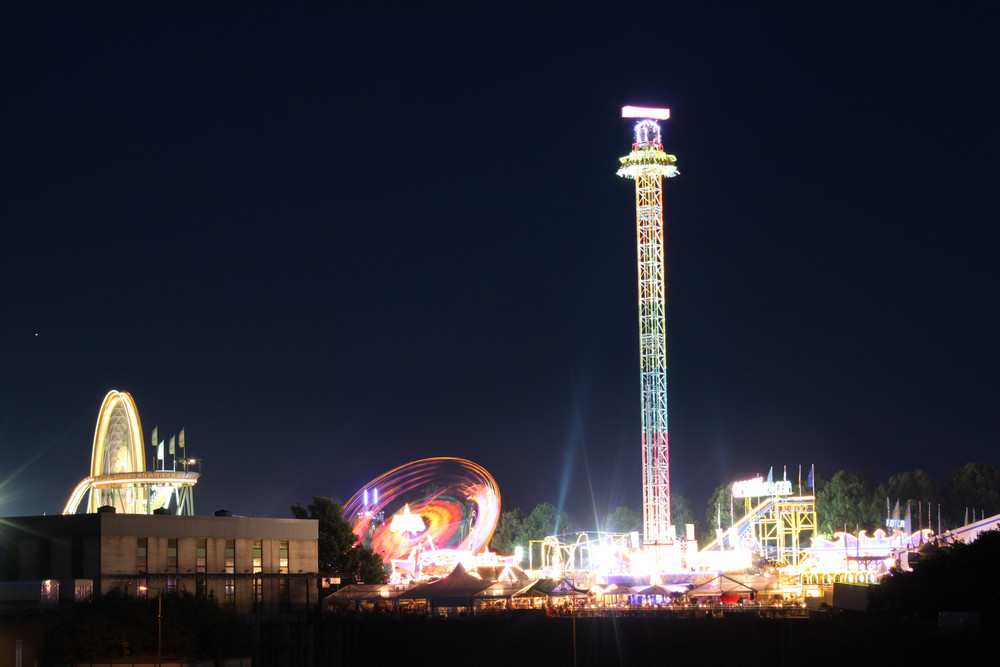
758, 487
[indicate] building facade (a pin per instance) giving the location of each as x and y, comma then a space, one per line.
249, 565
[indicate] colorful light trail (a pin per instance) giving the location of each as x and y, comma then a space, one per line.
442, 504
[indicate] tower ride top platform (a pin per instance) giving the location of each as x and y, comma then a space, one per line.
648, 164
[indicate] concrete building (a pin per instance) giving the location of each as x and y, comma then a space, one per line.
249, 565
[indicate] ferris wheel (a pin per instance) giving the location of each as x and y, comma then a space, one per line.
118, 476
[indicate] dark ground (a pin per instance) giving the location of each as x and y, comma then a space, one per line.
532, 639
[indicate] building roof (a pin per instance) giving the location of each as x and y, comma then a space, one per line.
165, 525
557, 587
727, 584
509, 589
459, 585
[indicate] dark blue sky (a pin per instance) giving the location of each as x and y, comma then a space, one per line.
331, 241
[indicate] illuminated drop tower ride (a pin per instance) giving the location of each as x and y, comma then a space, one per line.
647, 164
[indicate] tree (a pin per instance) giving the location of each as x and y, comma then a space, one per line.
516, 530
543, 521
623, 520
718, 513
918, 487
854, 501
681, 513
507, 532
914, 485
371, 568
819, 484
976, 487
338, 548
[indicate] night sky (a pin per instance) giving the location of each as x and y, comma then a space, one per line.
327, 242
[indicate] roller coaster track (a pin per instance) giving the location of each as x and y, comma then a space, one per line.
775, 527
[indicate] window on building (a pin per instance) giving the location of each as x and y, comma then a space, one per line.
172, 554
283, 557
141, 588
140, 554
258, 591
258, 556
201, 555
230, 556
230, 592
171, 584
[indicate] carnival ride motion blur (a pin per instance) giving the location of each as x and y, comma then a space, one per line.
425, 516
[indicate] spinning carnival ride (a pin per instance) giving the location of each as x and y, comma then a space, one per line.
427, 515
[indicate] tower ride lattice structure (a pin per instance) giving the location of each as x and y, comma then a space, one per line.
647, 165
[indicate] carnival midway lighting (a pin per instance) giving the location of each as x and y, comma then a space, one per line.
436, 510
860, 558
647, 164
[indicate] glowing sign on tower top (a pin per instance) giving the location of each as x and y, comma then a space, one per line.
645, 112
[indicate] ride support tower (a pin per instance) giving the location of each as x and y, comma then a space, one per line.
648, 164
